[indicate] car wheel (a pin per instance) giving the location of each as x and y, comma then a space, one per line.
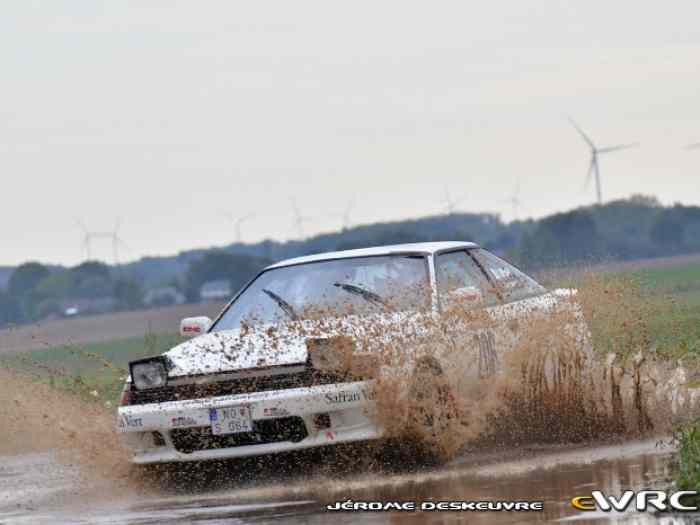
434, 416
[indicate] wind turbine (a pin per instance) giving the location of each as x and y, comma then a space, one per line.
87, 239
594, 168
345, 216
515, 201
237, 222
299, 219
451, 205
116, 241
113, 236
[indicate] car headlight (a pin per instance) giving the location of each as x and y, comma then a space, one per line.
149, 373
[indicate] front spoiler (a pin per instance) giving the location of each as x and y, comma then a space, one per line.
350, 406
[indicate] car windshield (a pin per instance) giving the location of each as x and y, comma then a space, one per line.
333, 288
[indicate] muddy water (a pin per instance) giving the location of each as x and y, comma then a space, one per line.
37, 489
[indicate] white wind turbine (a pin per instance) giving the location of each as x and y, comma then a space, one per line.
299, 219
515, 202
90, 236
345, 215
116, 241
451, 205
238, 222
594, 169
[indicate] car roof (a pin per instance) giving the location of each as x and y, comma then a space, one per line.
418, 248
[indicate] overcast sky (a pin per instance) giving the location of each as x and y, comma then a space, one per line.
169, 114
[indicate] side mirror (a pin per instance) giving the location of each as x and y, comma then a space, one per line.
194, 326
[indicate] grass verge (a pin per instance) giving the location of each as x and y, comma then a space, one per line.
677, 332
688, 457
95, 370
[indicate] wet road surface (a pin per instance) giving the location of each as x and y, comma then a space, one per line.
38, 489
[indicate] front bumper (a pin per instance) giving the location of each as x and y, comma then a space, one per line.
325, 414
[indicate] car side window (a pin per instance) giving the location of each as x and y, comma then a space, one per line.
513, 284
461, 283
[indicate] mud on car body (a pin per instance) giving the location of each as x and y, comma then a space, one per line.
292, 361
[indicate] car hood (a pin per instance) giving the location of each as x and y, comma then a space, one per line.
279, 344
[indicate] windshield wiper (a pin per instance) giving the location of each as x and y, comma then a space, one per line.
367, 295
284, 305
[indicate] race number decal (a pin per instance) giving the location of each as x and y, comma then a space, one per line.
486, 342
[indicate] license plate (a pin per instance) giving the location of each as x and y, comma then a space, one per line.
232, 420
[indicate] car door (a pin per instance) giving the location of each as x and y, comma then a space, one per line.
466, 295
524, 300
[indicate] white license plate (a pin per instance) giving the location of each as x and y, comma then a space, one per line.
231, 420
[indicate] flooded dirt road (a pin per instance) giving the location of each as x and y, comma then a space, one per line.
39, 489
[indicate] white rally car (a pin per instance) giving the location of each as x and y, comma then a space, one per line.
264, 377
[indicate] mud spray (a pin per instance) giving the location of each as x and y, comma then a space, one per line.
582, 369
77, 429
531, 376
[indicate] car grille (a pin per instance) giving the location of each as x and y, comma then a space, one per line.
188, 440
241, 385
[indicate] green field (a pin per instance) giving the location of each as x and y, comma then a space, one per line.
675, 293
99, 367
682, 282
678, 333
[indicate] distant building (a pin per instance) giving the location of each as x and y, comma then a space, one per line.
215, 290
163, 296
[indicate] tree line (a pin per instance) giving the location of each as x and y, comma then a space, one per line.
35, 291
638, 227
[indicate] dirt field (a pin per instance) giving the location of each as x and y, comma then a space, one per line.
99, 328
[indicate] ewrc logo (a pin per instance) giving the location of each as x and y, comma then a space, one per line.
642, 501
